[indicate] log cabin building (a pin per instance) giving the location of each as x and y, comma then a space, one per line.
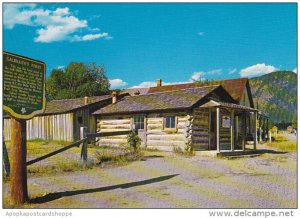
62, 119
218, 116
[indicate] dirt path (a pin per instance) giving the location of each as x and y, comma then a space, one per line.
166, 180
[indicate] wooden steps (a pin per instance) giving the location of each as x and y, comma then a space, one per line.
239, 154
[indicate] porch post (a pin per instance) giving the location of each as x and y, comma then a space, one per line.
209, 123
264, 129
255, 130
218, 128
231, 129
244, 131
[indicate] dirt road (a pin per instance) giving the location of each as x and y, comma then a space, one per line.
166, 180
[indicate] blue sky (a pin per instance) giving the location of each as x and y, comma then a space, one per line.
139, 43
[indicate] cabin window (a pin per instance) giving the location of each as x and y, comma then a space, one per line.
139, 122
170, 122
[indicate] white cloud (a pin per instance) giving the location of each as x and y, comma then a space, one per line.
94, 29
60, 67
201, 74
197, 76
215, 72
232, 71
94, 17
52, 25
90, 37
18, 14
108, 37
257, 70
148, 84
295, 70
117, 83
61, 11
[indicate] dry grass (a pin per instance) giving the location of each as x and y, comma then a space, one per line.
117, 156
60, 165
37, 148
283, 144
69, 160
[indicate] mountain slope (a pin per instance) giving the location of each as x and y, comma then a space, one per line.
277, 95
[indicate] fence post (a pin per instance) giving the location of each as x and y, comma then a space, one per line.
83, 133
6, 163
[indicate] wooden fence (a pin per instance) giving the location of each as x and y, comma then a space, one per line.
85, 137
51, 127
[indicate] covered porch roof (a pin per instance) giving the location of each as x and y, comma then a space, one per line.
227, 105
233, 109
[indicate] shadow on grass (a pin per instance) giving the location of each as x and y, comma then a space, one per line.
57, 195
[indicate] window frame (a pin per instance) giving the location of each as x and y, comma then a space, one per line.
165, 122
141, 120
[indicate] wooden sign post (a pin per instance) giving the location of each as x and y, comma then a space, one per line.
23, 98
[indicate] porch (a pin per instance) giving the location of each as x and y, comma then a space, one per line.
231, 128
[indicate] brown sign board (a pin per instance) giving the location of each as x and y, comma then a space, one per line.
23, 86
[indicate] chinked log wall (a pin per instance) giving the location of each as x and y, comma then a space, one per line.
156, 135
200, 133
52, 127
164, 139
113, 124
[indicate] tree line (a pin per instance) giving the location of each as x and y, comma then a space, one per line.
77, 80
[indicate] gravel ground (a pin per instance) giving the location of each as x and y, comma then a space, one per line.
167, 180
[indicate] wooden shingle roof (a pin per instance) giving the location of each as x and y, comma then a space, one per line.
170, 100
235, 87
67, 105
135, 91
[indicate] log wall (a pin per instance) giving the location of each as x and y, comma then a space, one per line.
160, 138
155, 137
52, 127
200, 133
113, 124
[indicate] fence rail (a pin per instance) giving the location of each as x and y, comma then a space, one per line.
83, 141
75, 144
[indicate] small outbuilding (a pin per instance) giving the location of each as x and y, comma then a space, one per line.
62, 119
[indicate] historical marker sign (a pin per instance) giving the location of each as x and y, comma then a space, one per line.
23, 86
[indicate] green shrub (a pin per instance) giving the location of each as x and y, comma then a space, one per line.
134, 141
